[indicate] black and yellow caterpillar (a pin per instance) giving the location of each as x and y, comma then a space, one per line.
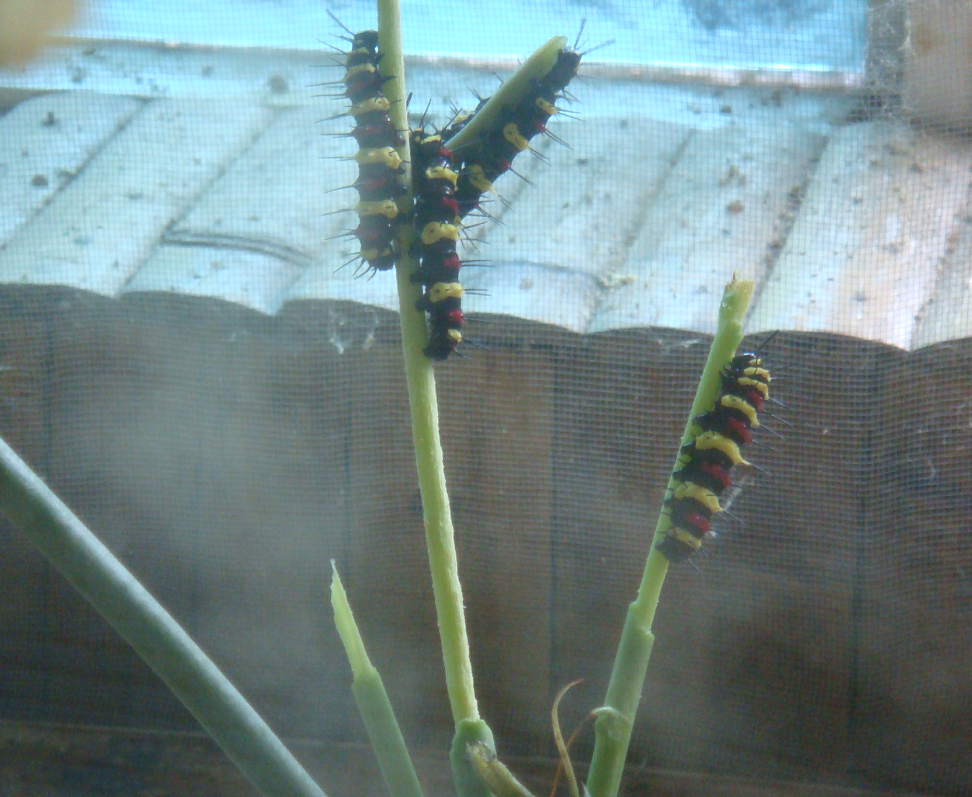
708, 460
380, 167
437, 227
448, 187
445, 188
482, 161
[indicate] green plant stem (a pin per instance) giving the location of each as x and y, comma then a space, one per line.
392, 66
612, 730
373, 703
470, 732
509, 94
115, 593
439, 534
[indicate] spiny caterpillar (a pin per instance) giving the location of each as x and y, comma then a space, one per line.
437, 226
444, 196
709, 458
485, 159
380, 167
443, 192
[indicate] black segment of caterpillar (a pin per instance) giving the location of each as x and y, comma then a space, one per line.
380, 167
483, 160
437, 227
708, 460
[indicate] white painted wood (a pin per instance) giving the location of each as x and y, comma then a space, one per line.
326, 280
948, 314
280, 189
589, 198
722, 209
573, 227
252, 279
631, 227
864, 251
270, 215
548, 294
44, 144
101, 228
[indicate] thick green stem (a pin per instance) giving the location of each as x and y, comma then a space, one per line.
115, 593
373, 703
612, 731
439, 534
469, 732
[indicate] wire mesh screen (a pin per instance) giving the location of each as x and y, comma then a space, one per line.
187, 365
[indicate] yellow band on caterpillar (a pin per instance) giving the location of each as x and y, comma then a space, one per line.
758, 373
444, 290
731, 402
369, 105
478, 179
705, 497
512, 134
761, 387
386, 155
436, 231
546, 107
374, 254
713, 440
441, 173
682, 535
383, 207
357, 70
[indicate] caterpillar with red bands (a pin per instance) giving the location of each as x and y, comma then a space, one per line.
484, 160
437, 228
380, 167
699, 483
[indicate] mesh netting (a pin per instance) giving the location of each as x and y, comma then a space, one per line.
185, 365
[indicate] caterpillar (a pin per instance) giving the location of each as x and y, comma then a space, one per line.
441, 204
709, 459
437, 226
492, 154
380, 167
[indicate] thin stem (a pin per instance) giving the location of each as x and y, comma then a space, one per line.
373, 703
118, 597
613, 727
439, 534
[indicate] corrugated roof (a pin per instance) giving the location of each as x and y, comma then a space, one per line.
860, 229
